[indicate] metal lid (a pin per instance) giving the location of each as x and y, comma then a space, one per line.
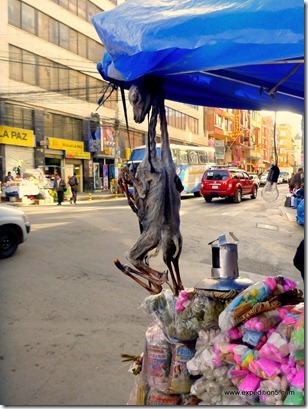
223, 284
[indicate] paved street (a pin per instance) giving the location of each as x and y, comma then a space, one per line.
67, 313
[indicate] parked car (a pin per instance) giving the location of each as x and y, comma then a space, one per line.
280, 180
230, 183
255, 177
285, 176
14, 229
263, 179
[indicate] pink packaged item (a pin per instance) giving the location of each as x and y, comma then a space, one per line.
265, 368
264, 321
299, 379
250, 383
276, 348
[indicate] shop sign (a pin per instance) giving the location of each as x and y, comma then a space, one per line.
77, 155
65, 144
108, 151
16, 136
94, 136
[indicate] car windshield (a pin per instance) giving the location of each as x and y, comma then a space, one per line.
216, 174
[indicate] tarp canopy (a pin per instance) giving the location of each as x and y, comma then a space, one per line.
244, 54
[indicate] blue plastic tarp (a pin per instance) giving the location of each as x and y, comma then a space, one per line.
245, 54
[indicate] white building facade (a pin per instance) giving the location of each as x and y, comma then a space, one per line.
49, 87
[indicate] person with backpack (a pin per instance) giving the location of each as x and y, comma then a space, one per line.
73, 182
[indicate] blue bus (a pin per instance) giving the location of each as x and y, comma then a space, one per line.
191, 162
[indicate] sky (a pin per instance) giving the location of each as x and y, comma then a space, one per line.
284, 117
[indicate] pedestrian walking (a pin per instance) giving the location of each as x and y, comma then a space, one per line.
73, 182
59, 187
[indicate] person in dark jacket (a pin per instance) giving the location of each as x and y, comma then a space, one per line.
73, 182
297, 178
299, 258
59, 187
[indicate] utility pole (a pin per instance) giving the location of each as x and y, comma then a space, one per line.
116, 143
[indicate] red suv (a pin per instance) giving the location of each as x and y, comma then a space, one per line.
229, 183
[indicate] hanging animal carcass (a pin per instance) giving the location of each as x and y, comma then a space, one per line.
156, 198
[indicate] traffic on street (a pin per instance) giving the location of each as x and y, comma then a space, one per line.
68, 314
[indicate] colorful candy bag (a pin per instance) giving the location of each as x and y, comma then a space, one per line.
157, 358
264, 322
257, 298
180, 380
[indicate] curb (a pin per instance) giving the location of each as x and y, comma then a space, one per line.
80, 199
290, 213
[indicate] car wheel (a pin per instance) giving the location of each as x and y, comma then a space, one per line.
208, 198
238, 196
254, 192
8, 242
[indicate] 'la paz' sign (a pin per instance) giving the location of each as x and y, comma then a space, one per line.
16, 136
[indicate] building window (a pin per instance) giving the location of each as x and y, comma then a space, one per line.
218, 120
29, 68
64, 127
35, 22
16, 116
14, 13
63, 36
35, 70
27, 18
15, 63
43, 26
179, 120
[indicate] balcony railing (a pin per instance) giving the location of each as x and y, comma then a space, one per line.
254, 153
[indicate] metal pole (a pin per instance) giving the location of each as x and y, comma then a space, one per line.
116, 144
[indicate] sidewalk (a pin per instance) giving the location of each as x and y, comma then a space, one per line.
103, 195
289, 212
81, 197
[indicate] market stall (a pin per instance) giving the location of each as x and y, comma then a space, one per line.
224, 341
21, 188
31, 188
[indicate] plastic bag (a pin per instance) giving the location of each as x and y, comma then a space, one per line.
179, 379
157, 358
158, 398
264, 322
162, 306
297, 342
137, 395
257, 298
276, 348
300, 217
264, 368
208, 309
